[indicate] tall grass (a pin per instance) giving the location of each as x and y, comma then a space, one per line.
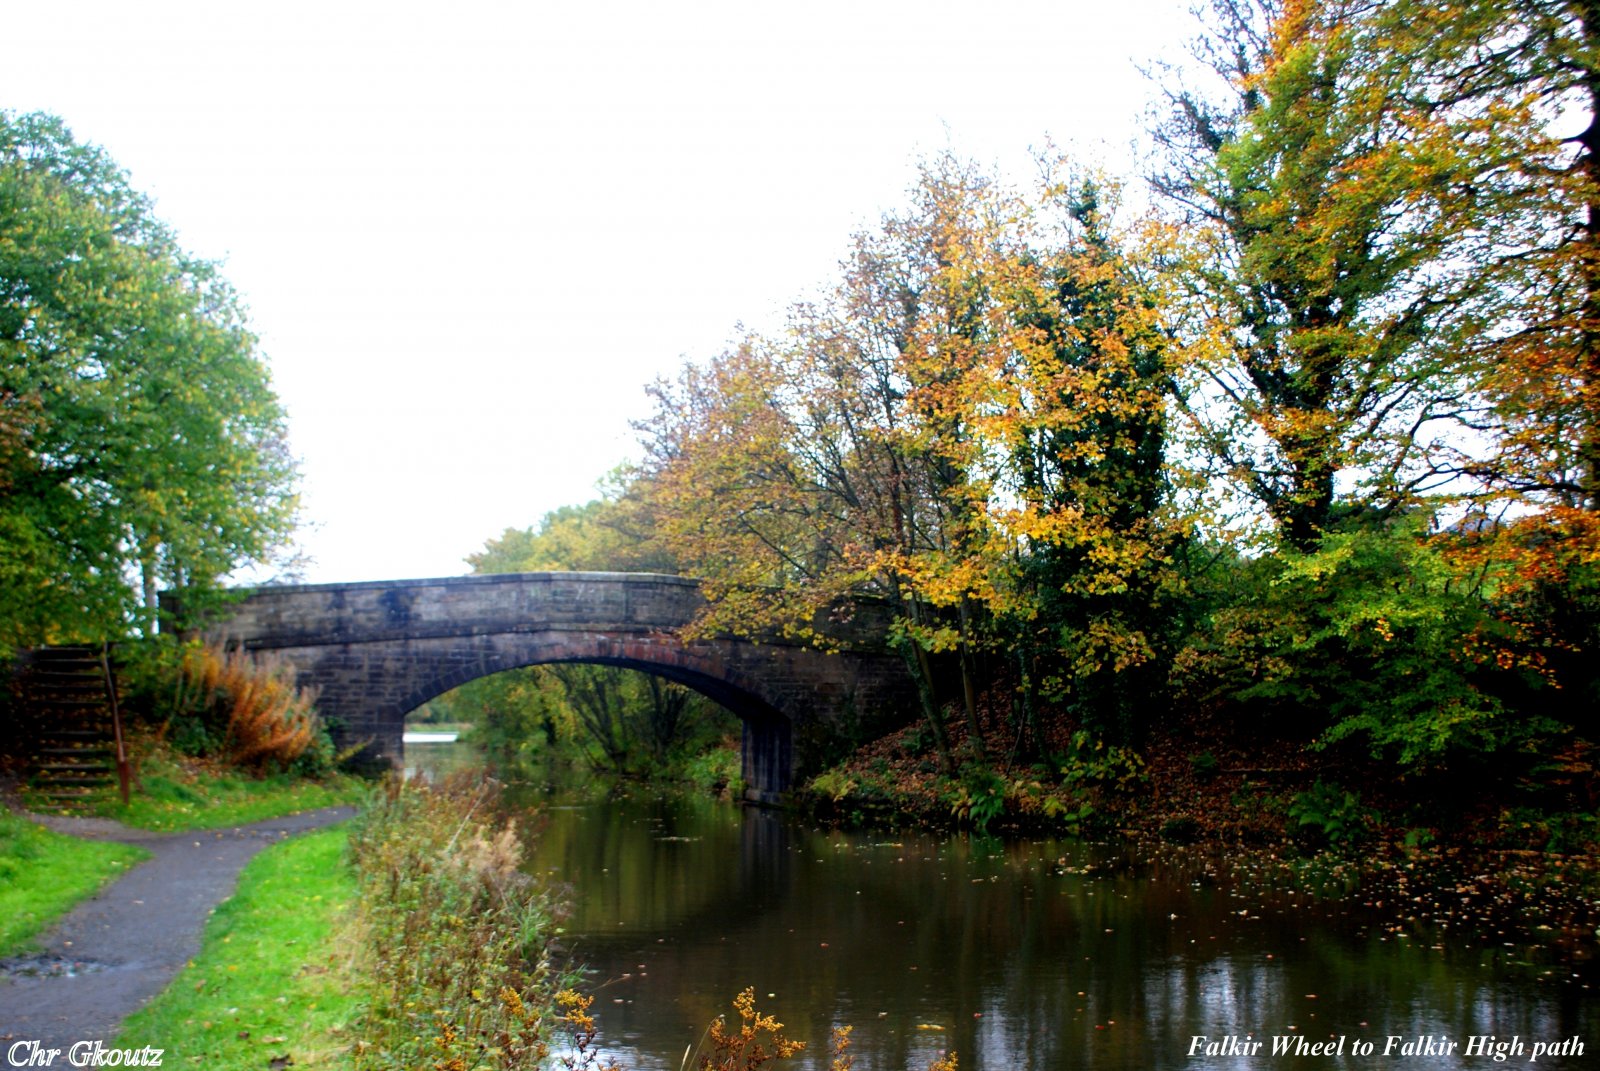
458, 952
457, 939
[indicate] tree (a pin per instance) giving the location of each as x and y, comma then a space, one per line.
1395, 293
140, 441
1511, 89
1319, 309
837, 459
611, 533
1080, 417
970, 427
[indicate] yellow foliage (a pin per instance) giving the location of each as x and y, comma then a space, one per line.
758, 1041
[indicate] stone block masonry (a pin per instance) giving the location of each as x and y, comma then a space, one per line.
377, 650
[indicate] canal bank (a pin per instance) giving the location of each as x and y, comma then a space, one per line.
1040, 952
1467, 853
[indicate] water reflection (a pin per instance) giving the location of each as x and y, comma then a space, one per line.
1034, 955
438, 759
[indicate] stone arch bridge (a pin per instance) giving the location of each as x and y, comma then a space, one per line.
377, 650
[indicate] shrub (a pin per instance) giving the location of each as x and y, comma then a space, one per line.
835, 784
1091, 761
1205, 765
1333, 813
979, 797
919, 741
716, 770
1383, 635
1030, 797
245, 709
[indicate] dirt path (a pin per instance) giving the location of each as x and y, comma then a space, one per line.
116, 951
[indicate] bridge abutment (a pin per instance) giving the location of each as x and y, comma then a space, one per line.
768, 758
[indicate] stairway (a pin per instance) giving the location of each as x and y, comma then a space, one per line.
69, 707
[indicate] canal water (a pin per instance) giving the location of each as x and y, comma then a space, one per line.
1034, 954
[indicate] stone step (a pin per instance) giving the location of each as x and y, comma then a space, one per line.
104, 778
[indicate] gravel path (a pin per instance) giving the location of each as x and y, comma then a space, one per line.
116, 951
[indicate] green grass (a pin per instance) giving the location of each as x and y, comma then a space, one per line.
271, 980
171, 796
462, 727
42, 874
172, 803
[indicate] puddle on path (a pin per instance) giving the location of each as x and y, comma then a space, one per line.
49, 967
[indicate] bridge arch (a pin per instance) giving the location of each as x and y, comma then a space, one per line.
662, 657
378, 650
767, 743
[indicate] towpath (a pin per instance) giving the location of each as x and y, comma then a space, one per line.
114, 952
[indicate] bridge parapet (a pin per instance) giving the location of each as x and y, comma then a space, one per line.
373, 611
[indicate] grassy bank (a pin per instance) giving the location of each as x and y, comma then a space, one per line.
43, 874
173, 793
407, 938
272, 980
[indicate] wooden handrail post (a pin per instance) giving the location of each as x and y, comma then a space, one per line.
116, 721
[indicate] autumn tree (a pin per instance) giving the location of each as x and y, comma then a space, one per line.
140, 442
781, 481
969, 426
838, 459
1508, 91
1387, 291
1396, 208
1079, 416
1315, 299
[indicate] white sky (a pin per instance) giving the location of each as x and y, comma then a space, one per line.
470, 235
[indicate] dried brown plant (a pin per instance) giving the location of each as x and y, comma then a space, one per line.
269, 720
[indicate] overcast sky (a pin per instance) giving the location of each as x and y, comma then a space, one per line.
470, 234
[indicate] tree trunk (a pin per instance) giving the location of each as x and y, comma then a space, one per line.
921, 667
1588, 357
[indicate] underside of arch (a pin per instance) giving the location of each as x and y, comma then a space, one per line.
705, 672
